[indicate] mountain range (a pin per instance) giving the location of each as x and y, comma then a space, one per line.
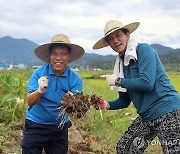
21, 51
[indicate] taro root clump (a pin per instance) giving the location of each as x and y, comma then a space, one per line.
96, 101
75, 105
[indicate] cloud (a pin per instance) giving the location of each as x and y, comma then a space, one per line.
83, 21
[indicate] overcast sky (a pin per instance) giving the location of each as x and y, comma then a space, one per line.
83, 21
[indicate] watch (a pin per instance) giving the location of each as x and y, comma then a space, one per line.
117, 81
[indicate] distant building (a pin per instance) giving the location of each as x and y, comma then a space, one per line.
21, 66
4, 65
76, 69
35, 66
97, 69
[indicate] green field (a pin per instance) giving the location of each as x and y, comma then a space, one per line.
106, 126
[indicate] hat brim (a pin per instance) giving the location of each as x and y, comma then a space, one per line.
43, 53
102, 42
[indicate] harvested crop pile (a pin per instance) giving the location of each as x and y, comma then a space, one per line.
75, 105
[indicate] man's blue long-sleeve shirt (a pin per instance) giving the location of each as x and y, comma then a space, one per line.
148, 86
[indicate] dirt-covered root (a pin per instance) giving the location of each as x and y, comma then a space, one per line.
75, 105
96, 101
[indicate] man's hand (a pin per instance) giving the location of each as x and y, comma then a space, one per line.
110, 79
43, 84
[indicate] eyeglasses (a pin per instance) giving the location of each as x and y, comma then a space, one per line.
55, 54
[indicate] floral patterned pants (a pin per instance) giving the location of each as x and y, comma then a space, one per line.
141, 134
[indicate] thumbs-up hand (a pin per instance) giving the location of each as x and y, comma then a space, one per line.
43, 84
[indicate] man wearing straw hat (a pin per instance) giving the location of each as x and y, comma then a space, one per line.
47, 86
139, 77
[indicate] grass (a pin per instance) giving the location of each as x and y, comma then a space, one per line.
175, 79
107, 125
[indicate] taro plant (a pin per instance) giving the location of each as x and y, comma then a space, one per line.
12, 95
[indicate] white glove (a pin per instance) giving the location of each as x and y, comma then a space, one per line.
110, 79
43, 84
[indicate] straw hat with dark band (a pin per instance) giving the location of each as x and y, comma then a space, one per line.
42, 52
111, 26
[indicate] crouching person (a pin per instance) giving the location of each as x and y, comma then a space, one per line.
139, 77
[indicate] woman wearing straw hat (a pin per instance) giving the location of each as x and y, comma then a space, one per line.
139, 77
47, 86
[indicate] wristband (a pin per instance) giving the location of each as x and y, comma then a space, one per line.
117, 81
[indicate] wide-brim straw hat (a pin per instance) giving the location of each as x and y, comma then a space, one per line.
111, 26
43, 53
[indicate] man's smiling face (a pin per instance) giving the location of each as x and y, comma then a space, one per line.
118, 41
